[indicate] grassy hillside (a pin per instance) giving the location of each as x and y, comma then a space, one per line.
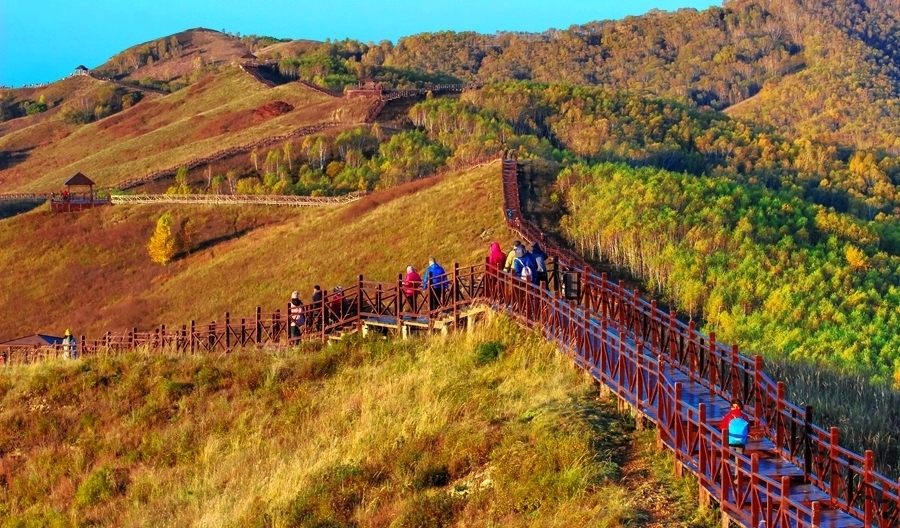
161, 132
488, 429
91, 271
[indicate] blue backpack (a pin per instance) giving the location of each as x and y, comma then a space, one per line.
738, 430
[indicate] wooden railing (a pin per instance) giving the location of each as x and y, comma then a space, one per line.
248, 199
663, 368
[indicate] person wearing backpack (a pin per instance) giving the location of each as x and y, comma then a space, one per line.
435, 282
736, 425
511, 256
540, 263
296, 317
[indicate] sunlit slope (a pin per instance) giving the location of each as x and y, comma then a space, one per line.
161, 132
91, 271
492, 428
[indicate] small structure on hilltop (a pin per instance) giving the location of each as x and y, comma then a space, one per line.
249, 59
77, 196
82, 70
366, 87
34, 347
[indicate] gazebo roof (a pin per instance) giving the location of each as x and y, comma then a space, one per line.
79, 179
248, 56
33, 340
82, 67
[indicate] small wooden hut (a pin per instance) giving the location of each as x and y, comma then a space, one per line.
78, 195
29, 348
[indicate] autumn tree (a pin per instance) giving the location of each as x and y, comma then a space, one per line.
163, 243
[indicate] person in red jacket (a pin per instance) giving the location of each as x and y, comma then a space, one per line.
495, 261
496, 258
737, 411
411, 286
736, 432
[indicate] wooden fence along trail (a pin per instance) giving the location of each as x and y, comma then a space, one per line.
245, 199
793, 473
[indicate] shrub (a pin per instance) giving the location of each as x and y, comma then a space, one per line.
488, 352
100, 486
431, 477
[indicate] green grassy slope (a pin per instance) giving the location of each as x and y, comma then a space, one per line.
91, 272
431, 432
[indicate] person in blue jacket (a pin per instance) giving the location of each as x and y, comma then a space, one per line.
434, 280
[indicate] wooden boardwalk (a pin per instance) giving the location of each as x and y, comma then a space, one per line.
230, 199
792, 474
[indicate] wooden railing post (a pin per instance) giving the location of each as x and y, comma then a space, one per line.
869, 504
227, 332
193, 337
807, 442
359, 294
258, 332
455, 294
833, 465
692, 354
757, 381
673, 337
779, 410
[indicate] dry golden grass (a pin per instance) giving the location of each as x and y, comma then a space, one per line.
91, 271
425, 432
162, 132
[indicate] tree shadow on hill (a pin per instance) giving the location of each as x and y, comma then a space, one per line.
213, 242
12, 208
11, 158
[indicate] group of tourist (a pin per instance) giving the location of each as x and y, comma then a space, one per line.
434, 282
323, 309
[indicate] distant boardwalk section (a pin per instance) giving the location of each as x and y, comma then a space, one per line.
247, 199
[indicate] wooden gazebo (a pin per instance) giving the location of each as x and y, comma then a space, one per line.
82, 70
77, 196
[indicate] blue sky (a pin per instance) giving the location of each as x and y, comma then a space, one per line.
45, 41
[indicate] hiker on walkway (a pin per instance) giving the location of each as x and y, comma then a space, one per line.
296, 317
510, 257
336, 305
411, 284
69, 346
524, 266
496, 258
736, 426
317, 304
495, 261
434, 282
540, 263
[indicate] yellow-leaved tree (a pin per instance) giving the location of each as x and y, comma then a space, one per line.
163, 244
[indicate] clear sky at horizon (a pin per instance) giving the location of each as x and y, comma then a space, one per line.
45, 42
